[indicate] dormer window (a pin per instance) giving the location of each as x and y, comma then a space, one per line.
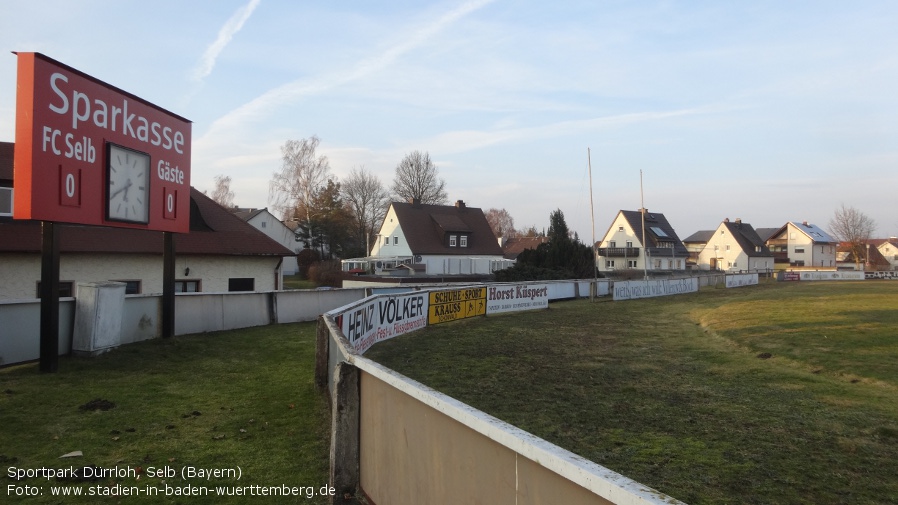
452, 240
463, 241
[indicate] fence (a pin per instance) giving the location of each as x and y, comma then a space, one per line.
194, 313
400, 442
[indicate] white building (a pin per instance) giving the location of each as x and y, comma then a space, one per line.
622, 247
417, 238
804, 244
221, 253
735, 247
267, 223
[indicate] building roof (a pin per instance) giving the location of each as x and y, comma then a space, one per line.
246, 214
657, 230
425, 227
815, 233
699, 237
766, 233
515, 246
747, 238
213, 231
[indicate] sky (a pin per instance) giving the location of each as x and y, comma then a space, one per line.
767, 111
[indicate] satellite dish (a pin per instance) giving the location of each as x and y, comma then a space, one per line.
418, 258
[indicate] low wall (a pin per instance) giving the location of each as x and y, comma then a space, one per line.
400, 442
20, 331
194, 313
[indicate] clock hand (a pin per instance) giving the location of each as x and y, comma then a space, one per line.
125, 189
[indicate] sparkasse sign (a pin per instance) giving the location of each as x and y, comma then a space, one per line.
89, 153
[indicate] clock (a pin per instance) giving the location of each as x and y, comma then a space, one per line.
127, 185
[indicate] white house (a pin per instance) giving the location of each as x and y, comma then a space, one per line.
735, 246
267, 223
622, 246
888, 248
418, 238
804, 244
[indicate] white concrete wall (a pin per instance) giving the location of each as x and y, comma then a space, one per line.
194, 313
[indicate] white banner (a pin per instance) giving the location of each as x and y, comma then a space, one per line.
628, 290
739, 280
383, 318
516, 297
830, 275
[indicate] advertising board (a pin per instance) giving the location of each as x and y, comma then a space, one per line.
382, 318
832, 276
629, 290
454, 304
516, 297
89, 153
739, 280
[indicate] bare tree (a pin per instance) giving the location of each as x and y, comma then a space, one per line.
854, 227
417, 178
301, 176
369, 201
501, 222
222, 194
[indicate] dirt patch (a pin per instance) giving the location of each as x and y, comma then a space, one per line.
97, 404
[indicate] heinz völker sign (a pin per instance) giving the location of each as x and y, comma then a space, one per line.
89, 153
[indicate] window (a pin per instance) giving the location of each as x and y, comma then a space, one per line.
631, 263
131, 287
187, 286
66, 289
799, 250
386, 240
463, 241
629, 243
716, 247
395, 240
6, 202
452, 240
620, 228
609, 263
241, 284
728, 247
264, 224
612, 244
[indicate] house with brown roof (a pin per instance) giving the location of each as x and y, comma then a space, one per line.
735, 247
221, 253
888, 248
418, 238
622, 247
514, 246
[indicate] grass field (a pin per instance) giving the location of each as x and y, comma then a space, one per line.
778, 393
242, 399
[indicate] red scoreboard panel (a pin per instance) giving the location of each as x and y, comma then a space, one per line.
89, 153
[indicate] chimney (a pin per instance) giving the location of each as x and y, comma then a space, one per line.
414, 201
805, 223
459, 204
726, 220
738, 220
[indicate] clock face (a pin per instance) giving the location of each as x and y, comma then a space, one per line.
128, 185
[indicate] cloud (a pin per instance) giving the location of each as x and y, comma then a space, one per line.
277, 97
227, 32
